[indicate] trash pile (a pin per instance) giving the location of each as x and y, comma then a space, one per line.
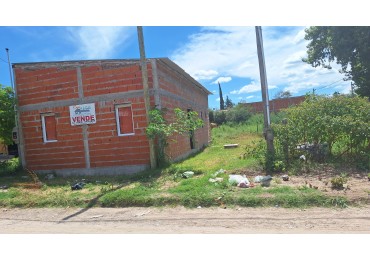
240, 181
243, 182
215, 178
78, 186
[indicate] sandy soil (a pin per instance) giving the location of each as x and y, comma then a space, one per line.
180, 220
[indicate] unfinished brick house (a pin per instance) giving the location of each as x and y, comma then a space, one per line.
88, 117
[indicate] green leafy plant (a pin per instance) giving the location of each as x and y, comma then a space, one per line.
159, 129
7, 114
335, 127
279, 166
11, 166
338, 182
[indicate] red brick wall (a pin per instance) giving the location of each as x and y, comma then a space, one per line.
67, 152
189, 97
45, 84
276, 104
98, 79
106, 148
109, 149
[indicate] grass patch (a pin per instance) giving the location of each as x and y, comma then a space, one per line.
168, 186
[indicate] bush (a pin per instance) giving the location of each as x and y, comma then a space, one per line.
337, 127
338, 182
238, 114
220, 117
11, 166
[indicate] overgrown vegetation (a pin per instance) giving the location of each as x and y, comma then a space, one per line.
234, 115
169, 186
159, 129
326, 128
7, 114
10, 167
321, 129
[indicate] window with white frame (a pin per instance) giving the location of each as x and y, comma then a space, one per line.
124, 119
49, 130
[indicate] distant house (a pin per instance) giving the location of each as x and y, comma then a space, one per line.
275, 104
88, 117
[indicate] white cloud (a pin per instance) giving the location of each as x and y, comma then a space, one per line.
205, 74
222, 80
232, 51
250, 88
217, 99
98, 42
249, 97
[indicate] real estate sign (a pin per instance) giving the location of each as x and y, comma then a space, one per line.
82, 114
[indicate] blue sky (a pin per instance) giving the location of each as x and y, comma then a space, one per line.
210, 54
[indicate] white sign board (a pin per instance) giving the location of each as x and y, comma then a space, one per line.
82, 114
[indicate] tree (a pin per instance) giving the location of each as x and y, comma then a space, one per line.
7, 114
222, 103
283, 94
346, 45
229, 104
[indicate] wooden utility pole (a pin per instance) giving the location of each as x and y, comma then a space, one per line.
144, 73
267, 131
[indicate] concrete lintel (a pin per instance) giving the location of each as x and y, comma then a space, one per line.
92, 99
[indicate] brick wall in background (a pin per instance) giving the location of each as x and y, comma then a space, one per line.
275, 105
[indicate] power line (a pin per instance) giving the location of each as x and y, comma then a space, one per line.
328, 85
3, 60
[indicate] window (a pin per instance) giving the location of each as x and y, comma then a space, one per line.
49, 131
125, 123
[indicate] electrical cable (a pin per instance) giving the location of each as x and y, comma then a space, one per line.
328, 85
3, 60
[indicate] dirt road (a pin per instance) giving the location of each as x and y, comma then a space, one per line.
180, 220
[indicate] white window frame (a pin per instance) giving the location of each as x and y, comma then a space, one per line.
44, 127
118, 121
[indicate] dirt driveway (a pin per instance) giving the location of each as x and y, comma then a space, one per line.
180, 220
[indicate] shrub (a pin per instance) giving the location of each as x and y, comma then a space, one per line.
220, 117
238, 114
10, 166
340, 124
338, 182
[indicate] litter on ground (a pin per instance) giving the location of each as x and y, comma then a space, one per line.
216, 179
238, 180
188, 174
